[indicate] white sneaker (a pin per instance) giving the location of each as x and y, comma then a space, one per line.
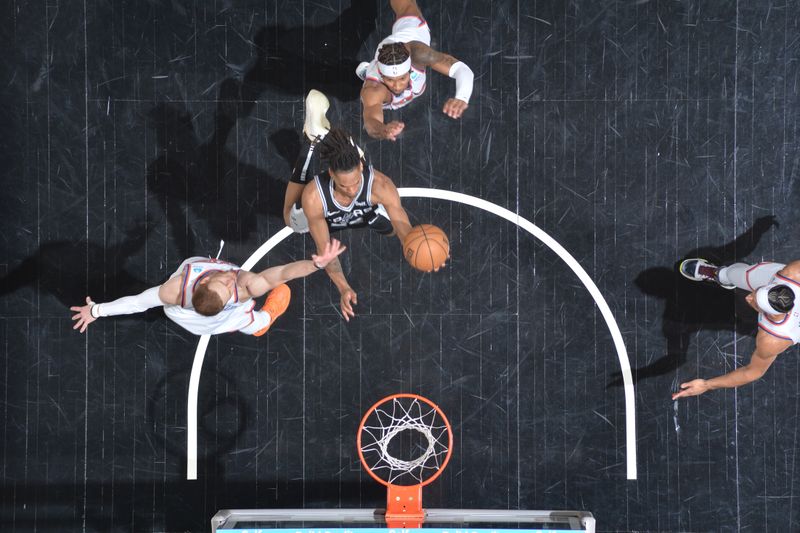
361, 70
316, 123
697, 269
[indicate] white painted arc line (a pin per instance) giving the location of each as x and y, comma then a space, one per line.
616, 335
191, 407
199, 356
417, 192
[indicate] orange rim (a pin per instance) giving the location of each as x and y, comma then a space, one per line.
423, 400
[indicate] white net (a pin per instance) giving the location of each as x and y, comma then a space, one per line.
410, 428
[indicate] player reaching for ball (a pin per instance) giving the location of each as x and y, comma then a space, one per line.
350, 194
396, 76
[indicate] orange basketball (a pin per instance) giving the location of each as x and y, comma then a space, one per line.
426, 247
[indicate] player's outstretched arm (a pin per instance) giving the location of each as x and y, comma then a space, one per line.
424, 55
167, 293
373, 96
767, 349
318, 228
263, 282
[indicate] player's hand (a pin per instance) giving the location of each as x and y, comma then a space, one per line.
751, 301
691, 388
392, 130
84, 316
333, 249
454, 107
348, 298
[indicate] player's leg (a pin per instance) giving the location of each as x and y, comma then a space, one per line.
405, 8
749, 277
292, 212
276, 304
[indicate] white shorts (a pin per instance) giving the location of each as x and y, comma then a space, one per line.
407, 29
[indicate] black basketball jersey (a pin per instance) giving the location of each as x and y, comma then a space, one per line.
357, 214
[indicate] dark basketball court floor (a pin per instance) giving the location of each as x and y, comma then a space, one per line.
136, 134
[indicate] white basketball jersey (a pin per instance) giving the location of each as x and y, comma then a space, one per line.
234, 316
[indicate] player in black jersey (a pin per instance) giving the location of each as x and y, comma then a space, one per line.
350, 194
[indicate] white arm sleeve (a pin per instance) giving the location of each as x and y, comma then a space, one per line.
128, 305
463, 76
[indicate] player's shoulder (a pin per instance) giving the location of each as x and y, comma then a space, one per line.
792, 270
381, 183
170, 291
311, 198
373, 92
769, 346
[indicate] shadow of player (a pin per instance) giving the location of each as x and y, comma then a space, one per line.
60, 268
323, 57
206, 182
690, 307
194, 181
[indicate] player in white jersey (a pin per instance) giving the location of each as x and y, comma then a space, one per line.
396, 75
207, 296
774, 292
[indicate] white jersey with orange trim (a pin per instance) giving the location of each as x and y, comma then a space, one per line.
236, 315
760, 275
404, 30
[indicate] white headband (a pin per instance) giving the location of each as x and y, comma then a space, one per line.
762, 299
395, 70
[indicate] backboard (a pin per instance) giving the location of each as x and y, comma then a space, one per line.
373, 521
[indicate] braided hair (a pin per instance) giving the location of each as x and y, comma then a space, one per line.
392, 53
339, 151
781, 298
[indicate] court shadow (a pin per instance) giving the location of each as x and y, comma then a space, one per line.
691, 307
324, 56
222, 414
287, 144
203, 189
205, 182
60, 267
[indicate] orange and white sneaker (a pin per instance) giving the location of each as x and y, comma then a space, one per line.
276, 304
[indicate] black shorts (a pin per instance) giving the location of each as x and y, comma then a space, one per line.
309, 164
306, 166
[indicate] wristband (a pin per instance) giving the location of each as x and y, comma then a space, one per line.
463, 76
94, 310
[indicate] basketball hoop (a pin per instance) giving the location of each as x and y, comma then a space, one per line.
404, 441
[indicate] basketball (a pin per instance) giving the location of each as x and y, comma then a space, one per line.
426, 247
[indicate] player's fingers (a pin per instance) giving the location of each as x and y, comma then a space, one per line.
89, 300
